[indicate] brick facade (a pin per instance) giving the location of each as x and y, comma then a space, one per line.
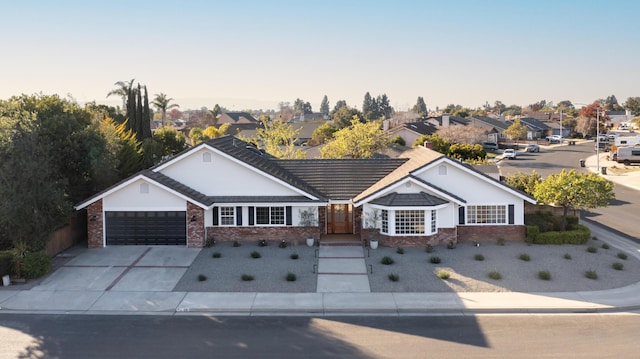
455, 235
95, 227
491, 233
293, 235
444, 236
195, 228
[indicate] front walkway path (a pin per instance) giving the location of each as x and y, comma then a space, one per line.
342, 269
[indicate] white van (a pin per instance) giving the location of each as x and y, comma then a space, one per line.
628, 141
628, 155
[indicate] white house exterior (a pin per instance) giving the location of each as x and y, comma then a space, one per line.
226, 190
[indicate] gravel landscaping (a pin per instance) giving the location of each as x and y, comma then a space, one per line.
224, 274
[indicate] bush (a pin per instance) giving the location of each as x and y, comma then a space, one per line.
294, 256
434, 259
429, 248
398, 141
501, 241
210, 242
605, 246
544, 275
494, 274
236, 243
451, 245
594, 238
622, 256
6, 258
255, 255
247, 277
617, 266
545, 221
400, 250
216, 255
525, 257
35, 265
202, 277
443, 274
394, 277
532, 233
579, 235
262, 243
591, 274
291, 277
478, 257
386, 260
283, 244
567, 256
592, 249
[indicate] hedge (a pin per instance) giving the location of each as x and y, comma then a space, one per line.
579, 235
6, 259
36, 264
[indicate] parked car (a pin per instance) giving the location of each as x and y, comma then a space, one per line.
532, 148
509, 153
490, 146
554, 139
628, 155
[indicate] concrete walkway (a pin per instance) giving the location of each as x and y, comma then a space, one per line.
342, 269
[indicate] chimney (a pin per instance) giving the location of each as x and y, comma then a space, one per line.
428, 145
445, 120
385, 125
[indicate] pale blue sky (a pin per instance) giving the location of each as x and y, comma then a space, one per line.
254, 54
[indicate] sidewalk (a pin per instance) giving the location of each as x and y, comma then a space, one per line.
165, 302
630, 179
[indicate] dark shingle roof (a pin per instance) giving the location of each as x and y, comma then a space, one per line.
534, 123
344, 178
409, 200
238, 116
423, 128
491, 121
258, 199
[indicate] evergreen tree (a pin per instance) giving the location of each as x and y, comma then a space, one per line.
383, 106
420, 107
368, 106
324, 105
146, 116
340, 104
139, 121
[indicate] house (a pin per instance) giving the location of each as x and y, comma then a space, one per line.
447, 120
617, 118
494, 128
535, 128
239, 122
226, 189
411, 131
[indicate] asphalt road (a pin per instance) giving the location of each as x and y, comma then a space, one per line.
621, 215
485, 336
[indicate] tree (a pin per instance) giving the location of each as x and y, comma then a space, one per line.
137, 110
216, 111
360, 140
340, 104
572, 190
516, 131
122, 151
498, 107
438, 143
463, 134
343, 117
122, 91
633, 104
588, 118
161, 102
467, 152
611, 103
384, 108
171, 140
324, 105
420, 107
369, 108
525, 182
321, 134
279, 139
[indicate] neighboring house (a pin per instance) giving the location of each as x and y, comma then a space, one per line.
410, 132
494, 128
617, 118
239, 122
227, 190
315, 116
535, 128
447, 120
306, 130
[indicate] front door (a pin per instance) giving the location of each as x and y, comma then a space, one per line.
340, 219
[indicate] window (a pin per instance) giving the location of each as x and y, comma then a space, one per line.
270, 215
227, 216
409, 222
433, 221
486, 214
442, 170
385, 221
144, 188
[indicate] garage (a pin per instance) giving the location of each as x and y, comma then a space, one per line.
146, 228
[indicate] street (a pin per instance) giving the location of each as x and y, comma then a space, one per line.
485, 336
621, 215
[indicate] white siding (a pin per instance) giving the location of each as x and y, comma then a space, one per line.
223, 177
130, 198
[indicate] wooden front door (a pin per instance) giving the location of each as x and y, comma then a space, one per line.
340, 219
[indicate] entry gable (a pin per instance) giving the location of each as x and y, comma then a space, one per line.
411, 185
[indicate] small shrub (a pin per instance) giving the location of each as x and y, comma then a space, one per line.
451, 245
202, 277
494, 274
291, 277
591, 274
605, 246
567, 256
434, 259
216, 255
544, 275
532, 233
210, 242
592, 249
255, 255
35, 265
294, 256
283, 244
617, 266
594, 238
247, 277
501, 241
400, 250
262, 243
429, 248
525, 257
394, 277
622, 256
236, 243
386, 260
443, 274
478, 257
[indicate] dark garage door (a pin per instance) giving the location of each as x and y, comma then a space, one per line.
146, 228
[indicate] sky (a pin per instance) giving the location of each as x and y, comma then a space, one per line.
244, 54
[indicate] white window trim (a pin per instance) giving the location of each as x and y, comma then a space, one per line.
467, 213
255, 217
391, 219
220, 216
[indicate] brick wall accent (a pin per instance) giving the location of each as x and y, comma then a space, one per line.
444, 236
491, 233
357, 220
195, 229
322, 220
95, 232
293, 235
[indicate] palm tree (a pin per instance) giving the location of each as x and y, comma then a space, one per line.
161, 102
122, 91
